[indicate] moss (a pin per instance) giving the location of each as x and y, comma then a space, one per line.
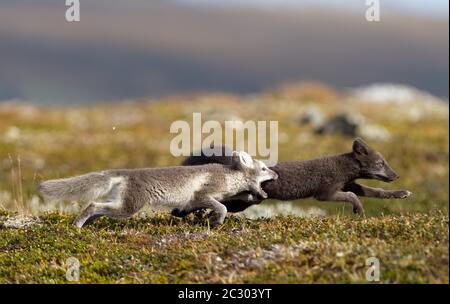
410, 247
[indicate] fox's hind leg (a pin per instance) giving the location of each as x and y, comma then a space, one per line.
340, 196
116, 206
97, 209
87, 215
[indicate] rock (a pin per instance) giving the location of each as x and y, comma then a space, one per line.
312, 116
393, 93
19, 222
342, 124
352, 125
284, 208
12, 134
374, 132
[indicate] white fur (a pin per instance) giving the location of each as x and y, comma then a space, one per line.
264, 175
246, 159
184, 194
117, 186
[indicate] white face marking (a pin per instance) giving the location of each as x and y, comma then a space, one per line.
265, 173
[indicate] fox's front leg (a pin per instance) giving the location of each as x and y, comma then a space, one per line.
376, 192
242, 201
246, 196
237, 203
219, 210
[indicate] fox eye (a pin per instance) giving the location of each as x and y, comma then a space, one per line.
264, 169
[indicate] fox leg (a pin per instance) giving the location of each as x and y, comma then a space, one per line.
87, 215
237, 203
98, 209
92, 219
219, 210
242, 201
376, 192
115, 205
340, 196
246, 196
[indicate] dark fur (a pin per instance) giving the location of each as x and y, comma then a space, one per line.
329, 178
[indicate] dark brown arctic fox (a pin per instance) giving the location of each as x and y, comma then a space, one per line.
329, 178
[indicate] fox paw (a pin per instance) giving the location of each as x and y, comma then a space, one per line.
213, 223
358, 210
402, 194
250, 197
215, 220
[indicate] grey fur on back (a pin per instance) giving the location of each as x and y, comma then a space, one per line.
158, 182
146, 185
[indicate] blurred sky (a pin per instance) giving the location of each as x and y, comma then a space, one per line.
418, 7
138, 48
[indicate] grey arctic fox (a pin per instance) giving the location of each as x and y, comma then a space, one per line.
121, 193
328, 178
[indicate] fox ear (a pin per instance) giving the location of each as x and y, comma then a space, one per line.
243, 158
360, 147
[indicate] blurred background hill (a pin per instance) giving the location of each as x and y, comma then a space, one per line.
134, 49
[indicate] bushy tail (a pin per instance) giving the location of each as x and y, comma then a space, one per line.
83, 187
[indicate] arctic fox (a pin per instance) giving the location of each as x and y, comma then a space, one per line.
121, 193
329, 178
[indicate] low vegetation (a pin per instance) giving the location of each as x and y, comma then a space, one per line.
285, 249
307, 241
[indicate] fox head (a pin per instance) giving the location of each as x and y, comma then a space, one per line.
372, 163
254, 169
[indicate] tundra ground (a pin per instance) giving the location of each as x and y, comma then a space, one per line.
411, 248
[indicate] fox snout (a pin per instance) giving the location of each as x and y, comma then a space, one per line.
392, 177
274, 175
390, 174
